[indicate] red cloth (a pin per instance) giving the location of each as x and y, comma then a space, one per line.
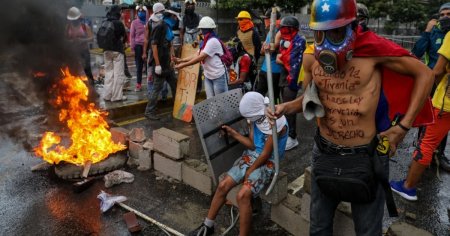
397, 87
244, 64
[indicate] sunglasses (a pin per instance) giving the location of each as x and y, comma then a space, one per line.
334, 36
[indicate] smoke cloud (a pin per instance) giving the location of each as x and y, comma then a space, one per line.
32, 40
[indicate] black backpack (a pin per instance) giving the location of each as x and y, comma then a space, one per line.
106, 35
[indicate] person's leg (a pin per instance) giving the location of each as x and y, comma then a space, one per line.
322, 208
244, 198
86, 57
118, 77
172, 81
220, 196
289, 95
153, 98
125, 66
276, 87
422, 156
368, 217
109, 73
209, 88
164, 91
138, 49
220, 85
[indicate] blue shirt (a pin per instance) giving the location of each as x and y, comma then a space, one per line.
259, 139
276, 68
428, 45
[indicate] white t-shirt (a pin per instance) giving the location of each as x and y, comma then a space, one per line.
213, 66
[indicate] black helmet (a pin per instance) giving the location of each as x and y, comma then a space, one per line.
362, 12
290, 21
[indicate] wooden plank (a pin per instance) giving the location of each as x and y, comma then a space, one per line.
186, 86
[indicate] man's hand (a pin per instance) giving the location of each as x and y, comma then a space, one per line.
178, 66
395, 135
430, 25
158, 70
144, 56
248, 172
279, 111
230, 131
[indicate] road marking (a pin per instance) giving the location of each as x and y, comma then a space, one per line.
134, 120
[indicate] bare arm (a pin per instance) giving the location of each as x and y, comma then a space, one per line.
423, 81
193, 60
246, 141
308, 62
265, 154
155, 54
439, 68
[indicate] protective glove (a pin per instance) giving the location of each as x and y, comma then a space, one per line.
158, 70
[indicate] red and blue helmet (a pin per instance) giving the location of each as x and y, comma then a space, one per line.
332, 14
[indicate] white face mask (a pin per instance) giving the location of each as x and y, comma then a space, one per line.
157, 17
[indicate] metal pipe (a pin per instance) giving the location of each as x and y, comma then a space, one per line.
273, 17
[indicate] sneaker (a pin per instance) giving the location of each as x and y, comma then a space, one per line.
202, 230
399, 188
151, 116
138, 88
291, 143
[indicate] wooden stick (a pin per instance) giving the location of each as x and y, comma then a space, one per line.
87, 167
151, 220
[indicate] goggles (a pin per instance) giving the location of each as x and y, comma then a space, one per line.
334, 36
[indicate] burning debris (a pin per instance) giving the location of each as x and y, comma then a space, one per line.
90, 139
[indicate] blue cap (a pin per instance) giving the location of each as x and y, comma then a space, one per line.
444, 6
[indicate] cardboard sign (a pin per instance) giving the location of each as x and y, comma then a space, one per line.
186, 86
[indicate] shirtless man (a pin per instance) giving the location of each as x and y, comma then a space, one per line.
349, 89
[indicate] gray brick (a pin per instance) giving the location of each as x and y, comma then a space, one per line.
170, 143
120, 135
167, 166
287, 215
145, 160
195, 173
134, 149
307, 183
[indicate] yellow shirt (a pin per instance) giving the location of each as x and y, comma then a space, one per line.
442, 87
308, 50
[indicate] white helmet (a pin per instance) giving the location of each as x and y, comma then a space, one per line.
206, 23
73, 13
158, 7
190, 1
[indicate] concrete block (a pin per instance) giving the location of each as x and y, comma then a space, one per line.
137, 135
170, 143
278, 194
119, 135
145, 160
195, 173
167, 166
148, 145
307, 183
134, 149
404, 229
287, 215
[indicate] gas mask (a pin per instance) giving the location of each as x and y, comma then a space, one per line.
333, 48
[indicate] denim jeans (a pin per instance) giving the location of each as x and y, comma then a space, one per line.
366, 217
138, 49
216, 86
158, 81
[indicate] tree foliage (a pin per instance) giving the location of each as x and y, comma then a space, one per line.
289, 6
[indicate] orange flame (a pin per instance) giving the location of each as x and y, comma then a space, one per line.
90, 137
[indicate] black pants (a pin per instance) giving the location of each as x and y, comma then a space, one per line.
262, 87
86, 60
288, 95
138, 49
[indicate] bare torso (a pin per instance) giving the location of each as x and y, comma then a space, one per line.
350, 98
